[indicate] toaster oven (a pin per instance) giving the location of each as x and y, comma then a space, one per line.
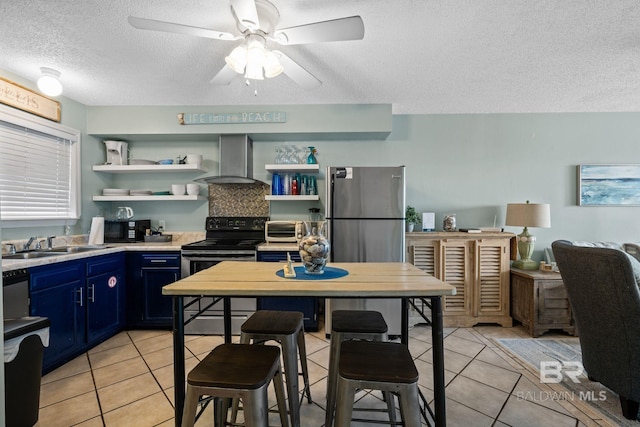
283, 231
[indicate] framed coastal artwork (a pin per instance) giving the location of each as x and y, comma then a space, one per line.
609, 185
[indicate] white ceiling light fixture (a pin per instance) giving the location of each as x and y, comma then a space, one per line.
256, 21
253, 60
49, 82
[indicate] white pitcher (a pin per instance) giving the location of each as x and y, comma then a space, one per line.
124, 213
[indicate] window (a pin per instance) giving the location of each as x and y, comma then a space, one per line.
39, 171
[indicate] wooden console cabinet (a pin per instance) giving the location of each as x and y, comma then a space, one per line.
539, 301
476, 264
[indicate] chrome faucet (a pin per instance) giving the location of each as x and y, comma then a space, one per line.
12, 248
50, 242
27, 245
39, 244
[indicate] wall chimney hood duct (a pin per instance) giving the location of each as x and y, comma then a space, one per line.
235, 160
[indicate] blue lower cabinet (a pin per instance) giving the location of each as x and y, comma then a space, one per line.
84, 301
307, 305
148, 273
105, 297
58, 293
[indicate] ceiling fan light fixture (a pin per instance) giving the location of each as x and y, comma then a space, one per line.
254, 71
49, 82
256, 53
237, 59
272, 66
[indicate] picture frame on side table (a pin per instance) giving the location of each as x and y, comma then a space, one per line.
609, 185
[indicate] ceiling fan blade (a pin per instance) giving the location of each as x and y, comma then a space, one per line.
246, 13
224, 76
350, 28
172, 27
297, 73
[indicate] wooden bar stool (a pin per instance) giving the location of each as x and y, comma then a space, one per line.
287, 328
237, 371
352, 325
371, 365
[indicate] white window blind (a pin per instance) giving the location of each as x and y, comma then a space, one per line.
37, 172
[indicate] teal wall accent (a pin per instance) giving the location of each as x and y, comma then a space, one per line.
468, 164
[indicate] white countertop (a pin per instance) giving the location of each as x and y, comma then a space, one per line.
271, 246
110, 248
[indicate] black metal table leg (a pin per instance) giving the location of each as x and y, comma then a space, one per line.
178, 358
226, 303
437, 336
404, 322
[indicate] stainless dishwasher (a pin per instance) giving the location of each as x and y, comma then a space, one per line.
15, 293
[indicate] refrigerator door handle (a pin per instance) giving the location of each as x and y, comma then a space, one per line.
331, 193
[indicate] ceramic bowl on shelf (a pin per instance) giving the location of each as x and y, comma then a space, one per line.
193, 189
178, 189
194, 159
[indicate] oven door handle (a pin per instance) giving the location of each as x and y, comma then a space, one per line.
216, 258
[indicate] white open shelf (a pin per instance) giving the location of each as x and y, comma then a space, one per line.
148, 168
302, 168
292, 198
151, 198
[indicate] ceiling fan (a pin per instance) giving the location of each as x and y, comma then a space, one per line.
256, 20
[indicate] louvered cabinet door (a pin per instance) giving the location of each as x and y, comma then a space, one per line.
491, 298
455, 271
424, 256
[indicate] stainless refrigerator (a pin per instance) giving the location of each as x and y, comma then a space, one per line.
365, 223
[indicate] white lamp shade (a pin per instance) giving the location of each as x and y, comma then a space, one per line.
529, 215
272, 66
48, 83
237, 59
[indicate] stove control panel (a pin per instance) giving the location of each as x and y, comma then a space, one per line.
224, 223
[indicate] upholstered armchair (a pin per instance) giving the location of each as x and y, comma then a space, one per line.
603, 291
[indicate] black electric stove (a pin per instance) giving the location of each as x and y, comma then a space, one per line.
227, 239
230, 234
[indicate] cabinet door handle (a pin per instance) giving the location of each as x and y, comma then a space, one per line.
163, 261
79, 300
91, 297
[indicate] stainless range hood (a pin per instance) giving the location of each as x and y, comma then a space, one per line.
235, 160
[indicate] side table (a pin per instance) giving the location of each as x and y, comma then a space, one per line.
539, 301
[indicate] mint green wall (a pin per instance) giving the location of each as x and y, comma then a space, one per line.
74, 115
473, 165
470, 165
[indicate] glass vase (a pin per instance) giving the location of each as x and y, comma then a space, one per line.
311, 158
314, 247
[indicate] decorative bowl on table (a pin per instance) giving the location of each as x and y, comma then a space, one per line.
314, 248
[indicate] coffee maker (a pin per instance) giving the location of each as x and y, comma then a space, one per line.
117, 152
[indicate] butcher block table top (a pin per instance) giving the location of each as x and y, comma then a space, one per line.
237, 278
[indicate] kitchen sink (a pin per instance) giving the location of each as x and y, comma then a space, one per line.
73, 249
43, 253
30, 255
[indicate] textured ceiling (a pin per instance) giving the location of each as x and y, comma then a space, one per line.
421, 56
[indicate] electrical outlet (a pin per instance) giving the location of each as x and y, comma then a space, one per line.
161, 224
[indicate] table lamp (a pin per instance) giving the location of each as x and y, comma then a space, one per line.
527, 215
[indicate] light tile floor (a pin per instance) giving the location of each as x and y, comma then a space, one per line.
128, 381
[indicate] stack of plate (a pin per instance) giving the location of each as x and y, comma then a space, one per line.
141, 162
140, 192
115, 192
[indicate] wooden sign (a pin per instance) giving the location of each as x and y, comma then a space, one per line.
20, 97
232, 118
